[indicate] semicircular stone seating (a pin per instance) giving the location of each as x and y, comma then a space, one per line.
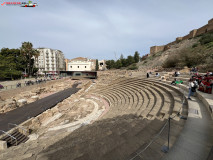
139, 108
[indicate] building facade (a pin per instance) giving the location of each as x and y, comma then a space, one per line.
84, 64
80, 64
50, 61
102, 65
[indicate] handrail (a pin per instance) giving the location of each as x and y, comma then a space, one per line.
9, 136
162, 129
23, 129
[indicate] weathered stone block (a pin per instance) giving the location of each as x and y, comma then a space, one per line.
35, 97
3, 145
22, 102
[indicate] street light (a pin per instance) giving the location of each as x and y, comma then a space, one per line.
10, 74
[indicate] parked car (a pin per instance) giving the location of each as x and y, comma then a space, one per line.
1, 87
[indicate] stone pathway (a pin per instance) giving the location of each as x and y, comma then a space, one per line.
196, 139
21, 114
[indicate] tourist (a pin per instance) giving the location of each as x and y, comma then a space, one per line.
192, 70
175, 74
196, 70
157, 74
211, 84
202, 85
192, 89
147, 75
208, 86
178, 73
174, 82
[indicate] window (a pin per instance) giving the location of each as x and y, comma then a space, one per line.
85, 66
101, 64
70, 66
78, 66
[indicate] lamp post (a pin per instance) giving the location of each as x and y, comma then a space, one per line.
25, 74
11, 75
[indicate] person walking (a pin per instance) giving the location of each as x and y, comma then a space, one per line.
147, 75
191, 86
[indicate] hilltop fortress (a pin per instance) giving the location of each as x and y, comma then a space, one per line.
194, 33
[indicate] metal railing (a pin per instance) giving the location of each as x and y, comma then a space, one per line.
20, 127
164, 148
9, 136
7, 87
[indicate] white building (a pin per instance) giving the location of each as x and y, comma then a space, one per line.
102, 65
50, 61
81, 64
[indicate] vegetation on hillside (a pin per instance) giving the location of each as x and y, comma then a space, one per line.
129, 62
13, 62
199, 55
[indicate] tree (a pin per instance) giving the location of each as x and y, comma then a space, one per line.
110, 64
136, 57
10, 63
124, 62
118, 64
130, 60
121, 57
97, 65
28, 52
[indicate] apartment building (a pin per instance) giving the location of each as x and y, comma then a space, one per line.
50, 61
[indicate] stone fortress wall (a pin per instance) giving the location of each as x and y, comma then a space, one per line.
196, 32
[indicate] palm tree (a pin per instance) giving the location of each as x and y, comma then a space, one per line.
29, 52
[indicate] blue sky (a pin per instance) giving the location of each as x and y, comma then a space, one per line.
101, 28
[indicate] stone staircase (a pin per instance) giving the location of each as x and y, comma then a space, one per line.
15, 138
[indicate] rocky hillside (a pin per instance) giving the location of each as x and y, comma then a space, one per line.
193, 52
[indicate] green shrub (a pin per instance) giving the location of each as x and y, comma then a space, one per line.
178, 41
206, 38
171, 62
210, 45
132, 67
194, 45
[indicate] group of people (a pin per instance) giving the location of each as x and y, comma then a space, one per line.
194, 70
38, 81
202, 83
148, 74
18, 85
28, 83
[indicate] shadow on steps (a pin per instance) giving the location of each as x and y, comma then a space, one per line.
114, 138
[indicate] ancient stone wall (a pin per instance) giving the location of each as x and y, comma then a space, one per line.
155, 49
210, 25
202, 30
196, 32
